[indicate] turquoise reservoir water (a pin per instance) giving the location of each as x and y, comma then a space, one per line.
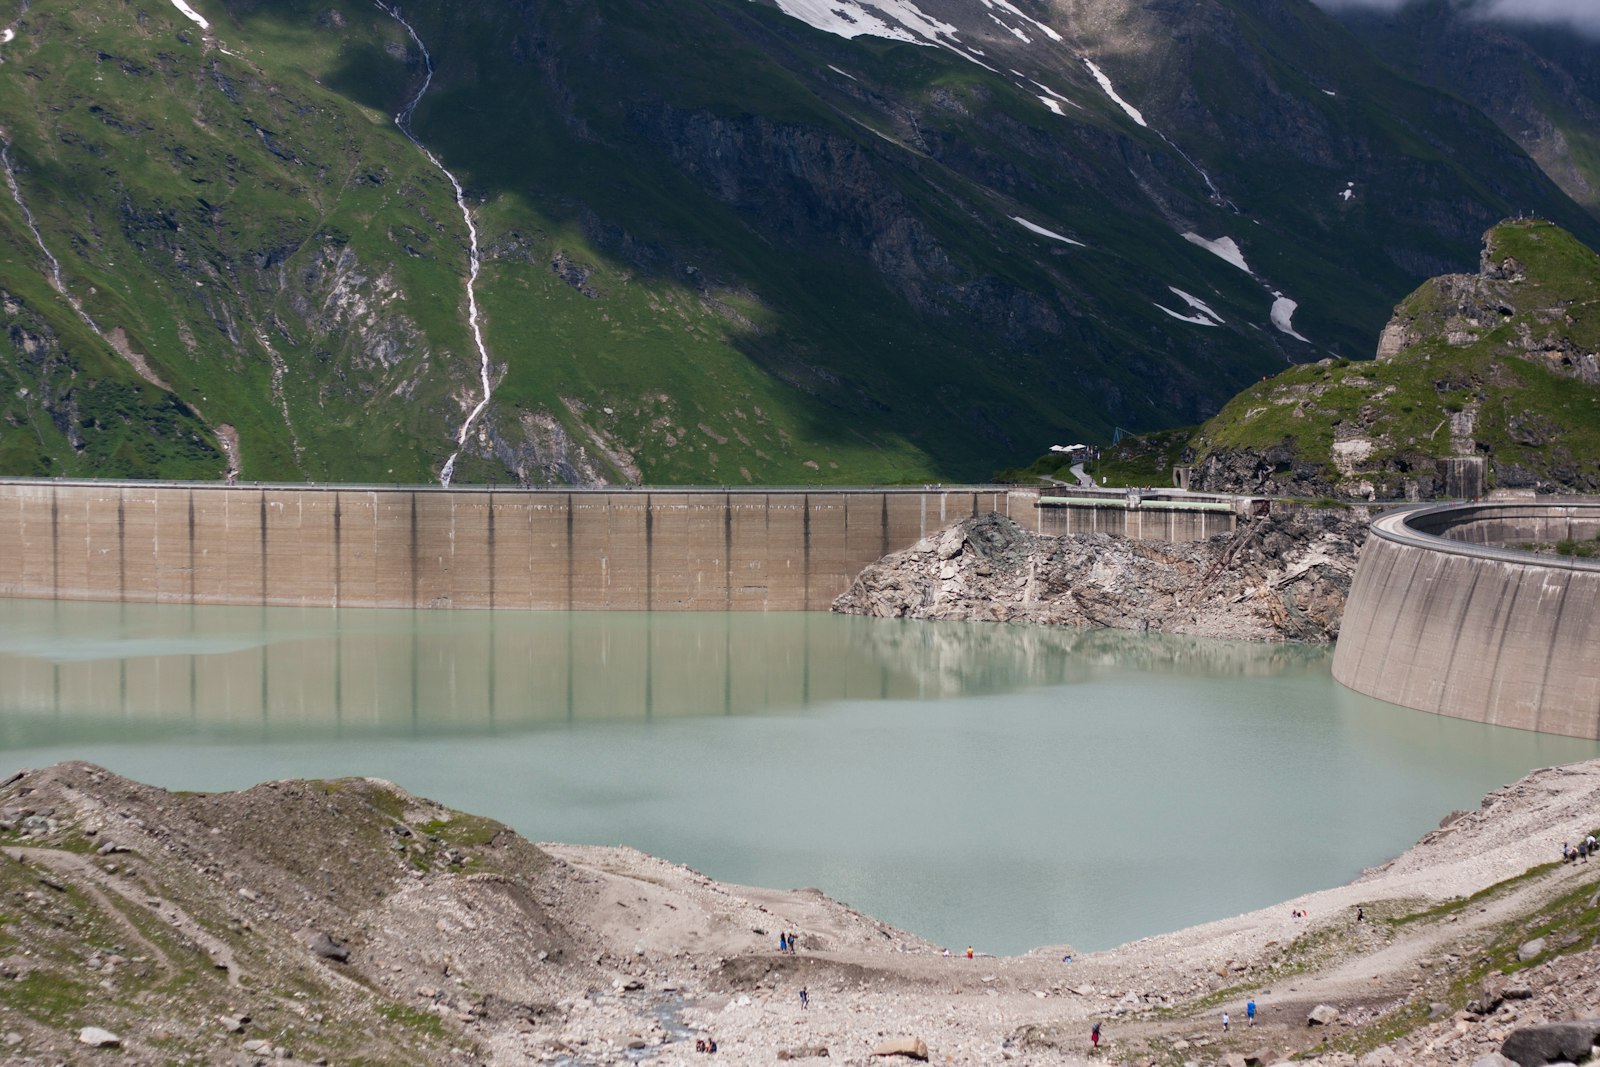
1000, 786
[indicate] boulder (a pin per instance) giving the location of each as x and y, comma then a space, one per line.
1530, 949
903, 1046
804, 1053
322, 945
1493, 1059
1535, 1046
95, 1037
1322, 1015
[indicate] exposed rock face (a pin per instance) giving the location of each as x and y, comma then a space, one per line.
1281, 578
1457, 403
1466, 308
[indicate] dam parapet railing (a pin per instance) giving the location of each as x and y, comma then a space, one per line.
1447, 614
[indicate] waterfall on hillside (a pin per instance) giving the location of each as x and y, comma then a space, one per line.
57, 282
403, 121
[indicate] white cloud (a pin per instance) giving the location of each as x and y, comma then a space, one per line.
1580, 15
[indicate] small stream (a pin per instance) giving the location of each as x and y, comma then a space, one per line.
403, 121
57, 281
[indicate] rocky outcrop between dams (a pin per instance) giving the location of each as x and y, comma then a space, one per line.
1278, 578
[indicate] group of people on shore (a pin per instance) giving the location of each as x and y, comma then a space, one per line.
1227, 1022
788, 942
1585, 849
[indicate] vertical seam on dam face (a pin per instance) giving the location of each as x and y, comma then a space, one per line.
415, 563
727, 551
338, 539
190, 497
569, 586
55, 542
263, 562
122, 551
883, 525
649, 557
1550, 655
1504, 631
805, 548
488, 503
1458, 625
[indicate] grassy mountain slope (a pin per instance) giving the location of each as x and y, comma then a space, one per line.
1503, 365
718, 245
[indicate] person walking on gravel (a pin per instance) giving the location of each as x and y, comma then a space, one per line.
1224, 1022
1094, 1038
1250, 1012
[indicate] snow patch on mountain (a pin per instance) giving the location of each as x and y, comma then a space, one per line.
1105, 83
1224, 247
1195, 303
897, 20
1012, 30
1052, 105
191, 14
7, 35
1052, 93
1198, 320
1042, 232
1002, 5
1283, 316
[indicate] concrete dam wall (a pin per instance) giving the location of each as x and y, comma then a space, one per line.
1447, 614
422, 547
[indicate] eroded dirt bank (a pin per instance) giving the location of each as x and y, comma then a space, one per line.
348, 921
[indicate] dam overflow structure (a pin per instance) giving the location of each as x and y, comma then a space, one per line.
1447, 614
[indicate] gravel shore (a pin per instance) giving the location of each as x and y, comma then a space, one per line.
349, 921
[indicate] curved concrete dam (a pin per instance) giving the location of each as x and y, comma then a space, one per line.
1447, 614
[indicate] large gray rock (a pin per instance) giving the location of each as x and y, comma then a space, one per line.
1322, 1015
322, 945
95, 1037
1530, 949
1535, 1046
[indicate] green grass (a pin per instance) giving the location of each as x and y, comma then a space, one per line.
787, 282
1528, 414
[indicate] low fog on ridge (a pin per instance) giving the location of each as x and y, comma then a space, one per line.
1581, 15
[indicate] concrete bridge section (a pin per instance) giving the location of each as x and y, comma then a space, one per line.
1448, 614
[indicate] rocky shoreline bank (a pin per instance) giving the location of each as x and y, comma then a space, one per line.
348, 921
1278, 578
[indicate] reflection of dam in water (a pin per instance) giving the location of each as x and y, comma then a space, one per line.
1007, 786
253, 671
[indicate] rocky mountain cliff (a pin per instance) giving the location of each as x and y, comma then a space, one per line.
1482, 381
696, 241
